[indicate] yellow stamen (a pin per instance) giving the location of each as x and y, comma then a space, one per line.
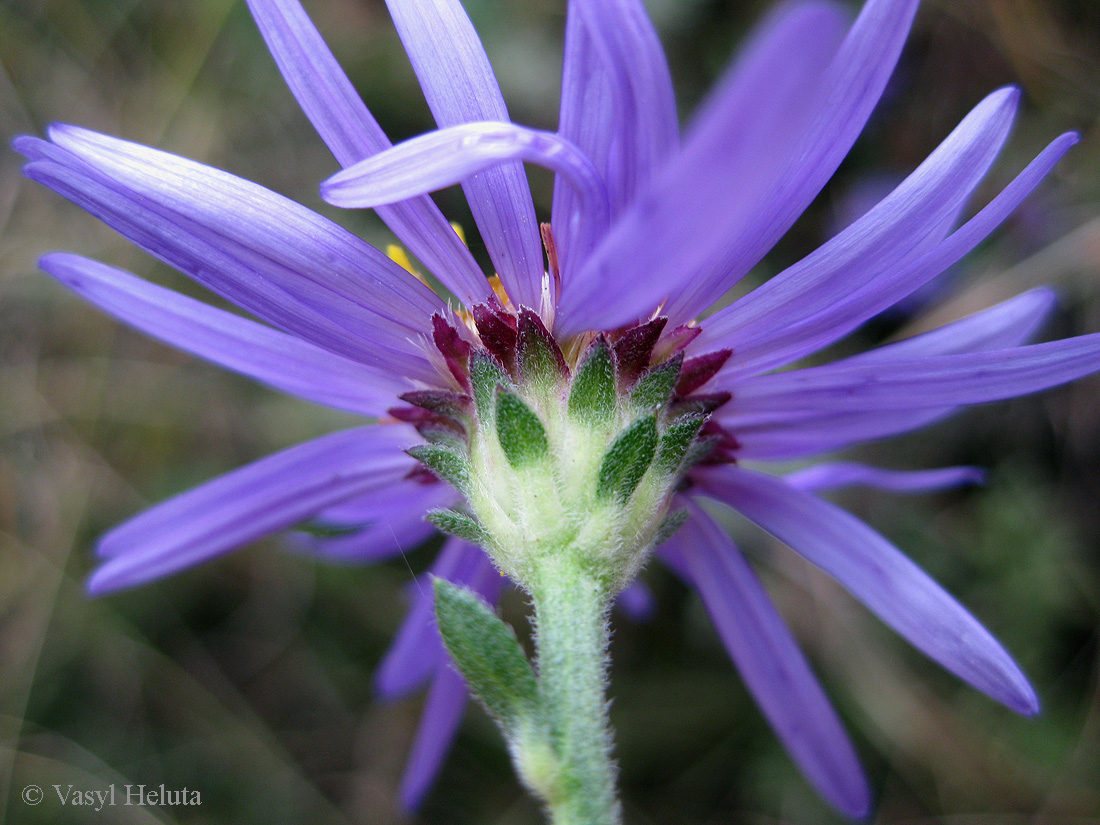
399, 256
498, 289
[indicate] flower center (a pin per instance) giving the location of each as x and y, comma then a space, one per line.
576, 452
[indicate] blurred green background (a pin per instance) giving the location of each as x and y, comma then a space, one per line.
249, 679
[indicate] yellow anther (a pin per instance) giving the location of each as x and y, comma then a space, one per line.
399, 256
457, 227
498, 289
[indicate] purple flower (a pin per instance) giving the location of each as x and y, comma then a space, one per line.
648, 230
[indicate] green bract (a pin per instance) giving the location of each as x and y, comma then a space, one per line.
558, 462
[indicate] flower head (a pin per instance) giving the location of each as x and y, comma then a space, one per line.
582, 396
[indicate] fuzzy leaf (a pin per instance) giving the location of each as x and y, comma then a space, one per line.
592, 398
486, 375
461, 525
521, 434
627, 459
450, 404
489, 655
540, 358
703, 404
447, 463
676, 441
655, 387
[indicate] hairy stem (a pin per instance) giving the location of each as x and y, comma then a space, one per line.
572, 633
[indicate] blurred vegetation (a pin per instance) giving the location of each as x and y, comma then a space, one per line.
249, 679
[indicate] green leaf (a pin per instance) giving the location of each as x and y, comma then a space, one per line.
676, 441
521, 434
592, 398
449, 464
486, 375
655, 387
489, 656
461, 525
627, 459
540, 358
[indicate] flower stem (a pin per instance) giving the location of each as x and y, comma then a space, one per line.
572, 634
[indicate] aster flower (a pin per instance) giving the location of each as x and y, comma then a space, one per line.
583, 395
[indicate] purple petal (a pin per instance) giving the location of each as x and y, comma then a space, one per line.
779, 433
272, 494
644, 123
417, 648
911, 220
770, 662
447, 156
352, 133
459, 85
375, 542
587, 120
849, 474
776, 347
280, 360
852, 86
777, 436
417, 645
447, 698
1003, 326
704, 227
408, 495
269, 255
700, 196
921, 383
438, 726
876, 573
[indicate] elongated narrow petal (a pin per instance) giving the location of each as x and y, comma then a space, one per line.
644, 125
351, 132
1006, 325
275, 358
438, 726
447, 697
377, 542
776, 347
775, 436
272, 494
459, 85
779, 433
851, 87
770, 662
269, 255
417, 647
393, 502
741, 229
922, 383
912, 219
448, 156
849, 474
586, 119
876, 573
700, 198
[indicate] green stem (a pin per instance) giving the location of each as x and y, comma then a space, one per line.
572, 633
